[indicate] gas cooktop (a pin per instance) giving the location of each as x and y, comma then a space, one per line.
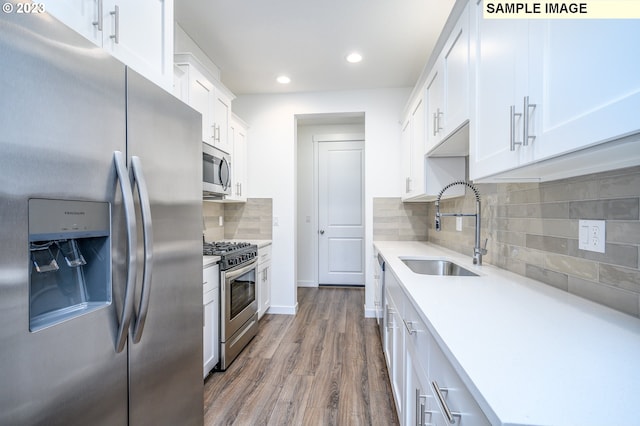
231, 254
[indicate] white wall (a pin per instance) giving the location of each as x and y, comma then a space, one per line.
272, 153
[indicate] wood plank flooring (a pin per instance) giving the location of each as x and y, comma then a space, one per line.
323, 366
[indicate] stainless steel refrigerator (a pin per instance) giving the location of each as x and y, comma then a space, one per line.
100, 237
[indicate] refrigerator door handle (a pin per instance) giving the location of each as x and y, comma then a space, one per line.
132, 238
147, 227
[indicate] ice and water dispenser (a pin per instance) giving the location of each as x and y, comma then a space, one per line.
70, 260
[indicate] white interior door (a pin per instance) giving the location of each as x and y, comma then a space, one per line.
341, 213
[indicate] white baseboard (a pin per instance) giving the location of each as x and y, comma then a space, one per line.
307, 284
369, 312
283, 310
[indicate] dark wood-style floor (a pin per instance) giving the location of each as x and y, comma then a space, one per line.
323, 366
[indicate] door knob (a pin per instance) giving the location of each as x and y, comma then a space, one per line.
322, 232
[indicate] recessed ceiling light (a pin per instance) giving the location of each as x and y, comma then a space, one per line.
354, 57
283, 79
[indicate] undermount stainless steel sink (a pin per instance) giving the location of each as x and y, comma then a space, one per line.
437, 267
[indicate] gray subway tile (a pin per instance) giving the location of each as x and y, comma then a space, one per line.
552, 278
612, 297
618, 254
623, 232
626, 278
625, 185
608, 209
548, 244
571, 266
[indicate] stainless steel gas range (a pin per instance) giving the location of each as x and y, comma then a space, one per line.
238, 305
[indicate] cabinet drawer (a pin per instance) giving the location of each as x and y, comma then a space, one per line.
209, 296
453, 393
264, 254
417, 336
211, 278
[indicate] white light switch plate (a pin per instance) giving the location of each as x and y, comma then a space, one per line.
591, 235
458, 223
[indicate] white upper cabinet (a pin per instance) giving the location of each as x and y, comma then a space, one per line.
222, 117
549, 93
448, 89
138, 33
83, 16
412, 140
425, 176
238, 137
585, 82
502, 83
434, 93
206, 95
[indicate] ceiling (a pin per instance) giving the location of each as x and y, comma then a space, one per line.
254, 41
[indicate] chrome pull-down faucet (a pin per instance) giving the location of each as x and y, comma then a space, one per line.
477, 250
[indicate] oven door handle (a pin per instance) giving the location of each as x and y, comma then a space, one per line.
229, 275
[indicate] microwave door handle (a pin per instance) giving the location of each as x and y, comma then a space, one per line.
147, 228
224, 165
132, 238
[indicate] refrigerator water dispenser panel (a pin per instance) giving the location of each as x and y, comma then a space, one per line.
70, 260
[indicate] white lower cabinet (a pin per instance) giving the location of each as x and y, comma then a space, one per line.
264, 280
211, 315
455, 405
426, 388
394, 347
420, 405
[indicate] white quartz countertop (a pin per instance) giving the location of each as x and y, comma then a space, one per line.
209, 260
529, 353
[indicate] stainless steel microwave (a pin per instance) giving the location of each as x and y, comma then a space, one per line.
216, 172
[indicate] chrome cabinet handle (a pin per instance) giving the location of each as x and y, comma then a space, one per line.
409, 326
420, 406
435, 124
389, 318
525, 120
438, 124
421, 409
99, 21
132, 238
447, 412
147, 229
116, 17
512, 127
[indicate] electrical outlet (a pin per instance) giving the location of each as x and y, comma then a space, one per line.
220, 220
276, 222
458, 223
591, 235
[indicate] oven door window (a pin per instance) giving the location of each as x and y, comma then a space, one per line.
243, 292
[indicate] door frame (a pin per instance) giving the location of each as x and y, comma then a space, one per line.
317, 140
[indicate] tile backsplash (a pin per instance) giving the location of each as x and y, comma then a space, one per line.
394, 220
248, 221
532, 230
